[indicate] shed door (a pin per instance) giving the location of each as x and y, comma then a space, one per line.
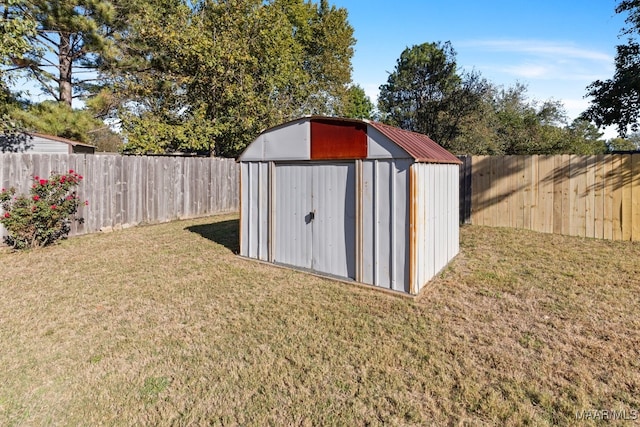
315, 217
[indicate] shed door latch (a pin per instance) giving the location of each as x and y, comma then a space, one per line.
310, 217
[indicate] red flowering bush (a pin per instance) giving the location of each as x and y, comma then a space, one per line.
45, 215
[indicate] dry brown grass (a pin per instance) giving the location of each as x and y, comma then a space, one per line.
164, 325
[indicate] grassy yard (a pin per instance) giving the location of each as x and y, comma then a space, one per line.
164, 325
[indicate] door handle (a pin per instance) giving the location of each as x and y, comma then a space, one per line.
310, 217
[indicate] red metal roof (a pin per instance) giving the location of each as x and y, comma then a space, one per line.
419, 146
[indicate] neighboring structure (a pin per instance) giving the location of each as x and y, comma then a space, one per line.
352, 199
40, 143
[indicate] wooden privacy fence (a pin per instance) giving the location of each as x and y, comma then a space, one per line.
123, 191
589, 196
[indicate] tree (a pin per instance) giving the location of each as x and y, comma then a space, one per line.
13, 139
357, 104
426, 94
585, 138
510, 123
468, 115
106, 140
327, 48
70, 39
297, 61
629, 143
14, 32
616, 101
225, 70
151, 133
58, 119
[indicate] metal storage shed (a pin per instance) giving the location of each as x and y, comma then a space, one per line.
352, 199
54, 144
40, 143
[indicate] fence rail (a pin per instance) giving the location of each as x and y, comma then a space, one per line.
128, 190
589, 196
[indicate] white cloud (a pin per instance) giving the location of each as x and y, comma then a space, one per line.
529, 71
532, 60
548, 70
540, 48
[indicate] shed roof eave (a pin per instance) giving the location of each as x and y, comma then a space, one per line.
417, 145
439, 161
60, 139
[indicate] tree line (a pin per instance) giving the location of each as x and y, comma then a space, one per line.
206, 76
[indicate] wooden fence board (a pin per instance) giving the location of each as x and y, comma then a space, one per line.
592, 196
519, 192
635, 197
128, 190
497, 192
617, 183
546, 174
574, 172
557, 195
117, 184
598, 198
607, 196
503, 215
625, 218
526, 191
477, 192
92, 190
486, 191
490, 208
488, 200
589, 196
566, 189
536, 219
466, 187
581, 196
512, 172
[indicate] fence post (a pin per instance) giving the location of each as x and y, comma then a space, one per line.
465, 190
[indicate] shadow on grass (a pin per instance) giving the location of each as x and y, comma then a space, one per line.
224, 233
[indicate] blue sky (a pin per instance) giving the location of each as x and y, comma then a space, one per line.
555, 47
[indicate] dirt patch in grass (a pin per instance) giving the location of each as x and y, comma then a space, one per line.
164, 325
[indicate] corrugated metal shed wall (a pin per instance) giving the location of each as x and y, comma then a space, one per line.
43, 145
287, 142
254, 227
436, 219
292, 229
385, 219
328, 243
334, 223
314, 217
